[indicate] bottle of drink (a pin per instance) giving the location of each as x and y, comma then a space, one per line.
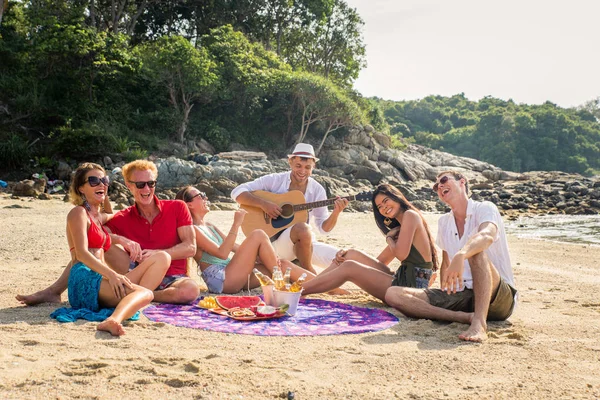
278, 278
286, 276
262, 278
297, 286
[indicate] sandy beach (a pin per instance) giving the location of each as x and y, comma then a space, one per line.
548, 349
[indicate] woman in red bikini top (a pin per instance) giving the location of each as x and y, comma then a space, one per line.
92, 283
98, 237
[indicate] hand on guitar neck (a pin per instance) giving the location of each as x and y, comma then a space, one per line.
287, 210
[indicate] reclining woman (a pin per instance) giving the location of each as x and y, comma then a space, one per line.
221, 273
408, 239
92, 283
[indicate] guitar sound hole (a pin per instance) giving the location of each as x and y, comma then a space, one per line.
287, 210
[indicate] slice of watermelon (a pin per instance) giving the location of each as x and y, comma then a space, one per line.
227, 302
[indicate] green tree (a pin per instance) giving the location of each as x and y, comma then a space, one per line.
3, 7
340, 112
317, 100
592, 107
331, 46
279, 18
514, 137
187, 74
117, 16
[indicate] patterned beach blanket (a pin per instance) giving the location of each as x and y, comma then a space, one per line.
313, 317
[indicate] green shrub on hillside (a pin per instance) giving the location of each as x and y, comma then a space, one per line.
14, 151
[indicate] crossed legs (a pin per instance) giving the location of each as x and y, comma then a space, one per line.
359, 268
115, 257
415, 302
180, 292
149, 273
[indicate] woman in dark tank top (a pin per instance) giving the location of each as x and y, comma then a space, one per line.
408, 239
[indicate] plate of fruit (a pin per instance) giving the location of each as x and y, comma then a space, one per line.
242, 308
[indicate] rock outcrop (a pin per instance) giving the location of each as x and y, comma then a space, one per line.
359, 161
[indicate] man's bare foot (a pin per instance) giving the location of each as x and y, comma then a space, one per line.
464, 317
111, 326
43, 296
477, 332
338, 292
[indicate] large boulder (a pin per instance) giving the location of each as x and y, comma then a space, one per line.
63, 171
371, 174
25, 188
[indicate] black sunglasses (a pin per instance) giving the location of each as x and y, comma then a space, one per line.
201, 194
141, 185
443, 181
95, 181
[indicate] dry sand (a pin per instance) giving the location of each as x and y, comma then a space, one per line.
548, 349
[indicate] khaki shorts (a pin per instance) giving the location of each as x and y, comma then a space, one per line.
501, 306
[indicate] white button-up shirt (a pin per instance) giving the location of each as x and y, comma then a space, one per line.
280, 183
477, 213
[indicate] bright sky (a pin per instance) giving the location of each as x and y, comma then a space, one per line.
530, 51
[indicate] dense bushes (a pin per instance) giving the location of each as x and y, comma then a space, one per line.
78, 85
517, 137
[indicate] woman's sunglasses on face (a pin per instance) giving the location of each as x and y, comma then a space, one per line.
201, 194
443, 181
95, 181
141, 185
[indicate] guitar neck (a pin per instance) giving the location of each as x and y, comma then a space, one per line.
317, 204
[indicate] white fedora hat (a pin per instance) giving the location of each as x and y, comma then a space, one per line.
304, 150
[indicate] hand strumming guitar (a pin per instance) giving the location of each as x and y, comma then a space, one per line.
271, 209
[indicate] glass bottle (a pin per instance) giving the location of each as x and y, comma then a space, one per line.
286, 276
297, 286
278, 278
262, 278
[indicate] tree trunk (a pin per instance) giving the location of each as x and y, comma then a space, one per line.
305, 125
119, 16
3, 6
92, 14
134, 19
184, 122
330, 129
279, 33
113, 15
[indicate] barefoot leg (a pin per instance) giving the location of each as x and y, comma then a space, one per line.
111, 326
51, 294
477, 331
43, 296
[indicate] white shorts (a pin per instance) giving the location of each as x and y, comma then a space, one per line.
322, 255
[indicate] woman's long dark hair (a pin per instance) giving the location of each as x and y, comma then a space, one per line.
184, 194
396, 195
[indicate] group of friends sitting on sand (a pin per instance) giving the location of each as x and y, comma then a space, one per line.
126, 260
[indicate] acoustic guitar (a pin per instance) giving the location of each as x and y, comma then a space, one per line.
294, 209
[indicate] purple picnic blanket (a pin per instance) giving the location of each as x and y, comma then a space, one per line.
313, 317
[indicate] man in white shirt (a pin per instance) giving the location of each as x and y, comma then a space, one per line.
477, 282
297, 241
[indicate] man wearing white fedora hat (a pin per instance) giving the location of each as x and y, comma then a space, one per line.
296, 241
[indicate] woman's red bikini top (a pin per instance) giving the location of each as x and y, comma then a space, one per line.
98, 237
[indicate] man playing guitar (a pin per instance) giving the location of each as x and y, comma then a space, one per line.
297, 241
